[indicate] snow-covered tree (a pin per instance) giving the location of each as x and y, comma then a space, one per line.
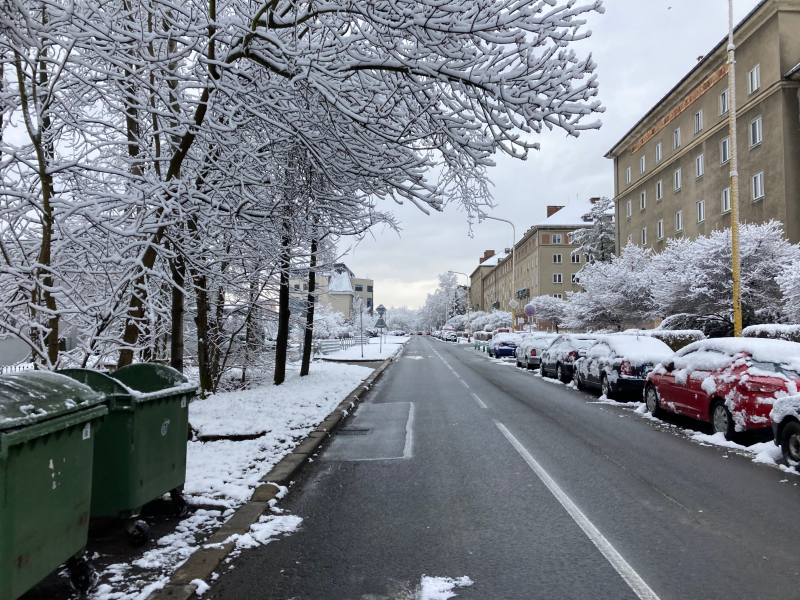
551, 309
789, 282
598, 240
493, 320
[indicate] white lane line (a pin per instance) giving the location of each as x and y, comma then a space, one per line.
409, 432
479, 401
464, 382
631, 577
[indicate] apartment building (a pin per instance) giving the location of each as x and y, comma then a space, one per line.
672, 169
476, 291
340, 289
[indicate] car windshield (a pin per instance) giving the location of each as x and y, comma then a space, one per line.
771, 367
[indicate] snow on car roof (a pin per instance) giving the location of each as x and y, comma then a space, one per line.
508, 336
641, 349
763, 350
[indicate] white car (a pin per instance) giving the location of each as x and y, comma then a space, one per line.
529, 352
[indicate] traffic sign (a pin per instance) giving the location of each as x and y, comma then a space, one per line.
380, 323
513, 303
530, 310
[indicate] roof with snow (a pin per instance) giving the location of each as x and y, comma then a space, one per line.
574, 214
340, 283
494, 260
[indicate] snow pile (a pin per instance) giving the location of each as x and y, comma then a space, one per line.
790, 333
785, 407
440, 588
764, 452
268, 528
674, 338
638, 350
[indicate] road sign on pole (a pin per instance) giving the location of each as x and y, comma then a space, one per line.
530, 310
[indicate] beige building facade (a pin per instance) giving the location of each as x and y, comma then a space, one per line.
672, 170
340, 290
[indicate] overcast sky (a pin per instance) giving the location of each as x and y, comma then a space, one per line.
642, 48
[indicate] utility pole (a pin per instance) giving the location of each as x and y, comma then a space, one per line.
513, 268
736, 262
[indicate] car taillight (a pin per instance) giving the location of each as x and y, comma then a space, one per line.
766, 387
625, 368
501, 344
533, 352
573, 355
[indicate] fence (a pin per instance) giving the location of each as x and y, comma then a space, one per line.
16, 368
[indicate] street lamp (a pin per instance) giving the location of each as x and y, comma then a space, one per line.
513, 302
736, 262
469, 322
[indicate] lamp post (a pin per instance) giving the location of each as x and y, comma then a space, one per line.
469, 322
513, 267
736, 262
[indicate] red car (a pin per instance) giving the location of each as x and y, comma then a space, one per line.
731, 383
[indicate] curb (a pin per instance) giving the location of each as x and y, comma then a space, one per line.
205, 560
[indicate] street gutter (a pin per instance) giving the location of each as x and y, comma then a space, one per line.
216, 548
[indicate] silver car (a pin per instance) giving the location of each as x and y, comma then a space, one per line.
529, 352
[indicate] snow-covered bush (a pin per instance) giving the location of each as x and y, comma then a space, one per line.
675, 339
490, 321
550, 309
790, 333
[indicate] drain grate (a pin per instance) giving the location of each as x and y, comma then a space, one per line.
353, 431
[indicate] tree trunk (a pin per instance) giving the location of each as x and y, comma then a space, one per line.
178, 269
201, 320
312, 280
283, 308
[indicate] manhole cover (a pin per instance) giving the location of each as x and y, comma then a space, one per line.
353, 431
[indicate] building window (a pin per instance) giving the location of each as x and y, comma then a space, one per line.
677, 179
574, 278
699, 166
659, 190
305, 287
758, 186
754, 80
676, 139
359, 288
628, 176
556, 238
701, 211
658, 152
723, 103
698, 121
297, 286
642, 164
369, 302
369, 288
644, 236
643, 200
679, 221
576, 259
557, 278
629, 207
756, 132
725, 150
726, 200
630, 238
556, 259
559, 296
660, 229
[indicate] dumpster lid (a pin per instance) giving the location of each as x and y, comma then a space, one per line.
147, 381
29, 397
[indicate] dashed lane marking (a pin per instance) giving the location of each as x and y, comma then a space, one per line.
479, 401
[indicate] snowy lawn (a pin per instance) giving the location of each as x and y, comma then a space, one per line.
372, 351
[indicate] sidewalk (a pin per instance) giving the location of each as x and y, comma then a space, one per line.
371, 352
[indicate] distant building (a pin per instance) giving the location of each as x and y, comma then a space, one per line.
339, 289
476, 291
672, 169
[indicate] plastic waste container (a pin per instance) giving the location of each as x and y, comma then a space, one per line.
48, 425
141, 450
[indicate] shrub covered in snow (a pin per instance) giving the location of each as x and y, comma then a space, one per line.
675, 339
790, 333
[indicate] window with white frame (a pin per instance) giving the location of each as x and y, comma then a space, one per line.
699, 166
676, 139
698, 121
659, 190
723, 103
556, 259
726, 200
643, 200
642, 164
658, 152
758, 186
725, 151
557, 278
754, 79
628, 175
679, 221
629, 207
559, 296
677, 179
756, 132
574, 278
701, 211
644, 236
576, 259
660, 229
557, 238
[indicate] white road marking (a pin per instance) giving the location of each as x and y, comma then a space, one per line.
631, 577
479, 401
464, 382
407, 449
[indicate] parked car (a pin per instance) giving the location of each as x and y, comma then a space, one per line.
731, 383
785, 417
619, 363
558, 360
504, 344
449, 336
529, 352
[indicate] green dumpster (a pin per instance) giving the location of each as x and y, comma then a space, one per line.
48, 424
141, 450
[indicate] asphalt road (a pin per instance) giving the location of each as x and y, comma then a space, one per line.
475, 468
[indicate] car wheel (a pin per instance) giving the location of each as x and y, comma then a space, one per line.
577, 379
519, 364
651, 400
790, 443
605, 388
722, 420
560, 374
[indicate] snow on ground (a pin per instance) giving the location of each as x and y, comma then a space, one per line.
440, 588
372, 351
224, 473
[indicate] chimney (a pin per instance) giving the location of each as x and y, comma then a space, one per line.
551, 210
594, 200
